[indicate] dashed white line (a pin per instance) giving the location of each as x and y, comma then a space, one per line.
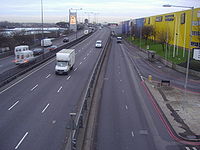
75, 69
132, 134
80, 63
16, 147
45, 108
84, 58
68, 77
34, 87
26, 76
13, 105
59, 89
88, 54
126, 107
194, 148
48, 76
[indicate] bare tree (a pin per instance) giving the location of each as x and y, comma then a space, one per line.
164, 37
147, 31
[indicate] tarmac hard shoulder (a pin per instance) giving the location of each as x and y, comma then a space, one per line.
181, 108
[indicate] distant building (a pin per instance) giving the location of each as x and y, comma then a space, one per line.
175, 25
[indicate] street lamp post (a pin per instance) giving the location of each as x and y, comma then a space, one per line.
42, 17
188, 60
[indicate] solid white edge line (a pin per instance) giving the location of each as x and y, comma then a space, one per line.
16, 147
59, 89
13, 105
45, 108
75, 69
68, 77
25, 77
132, 134
34, 87
48, 76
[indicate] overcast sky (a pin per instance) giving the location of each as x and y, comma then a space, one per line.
105, 11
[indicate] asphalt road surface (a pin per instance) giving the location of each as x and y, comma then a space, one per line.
35, 109
127, 119
7, 63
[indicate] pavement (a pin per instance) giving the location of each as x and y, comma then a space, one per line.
181, 108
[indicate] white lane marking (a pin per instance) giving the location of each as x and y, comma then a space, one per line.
126, 107
120, 80
75, 69
132, 134
84, 58
194, 148
13, 105
26, 77
68, 77
187, 148
48, 76
45, 108
34, 87
59, 89
87, 54
80, 63
16, 147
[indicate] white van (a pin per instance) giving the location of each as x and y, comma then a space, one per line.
24, 57
46, 42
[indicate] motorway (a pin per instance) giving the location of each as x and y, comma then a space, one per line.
7, 63
127, 117
35, 108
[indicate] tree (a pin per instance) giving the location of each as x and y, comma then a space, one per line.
164, 37
147, 31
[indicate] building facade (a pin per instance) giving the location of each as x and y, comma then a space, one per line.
175, 26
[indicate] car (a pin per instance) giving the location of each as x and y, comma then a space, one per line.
66, 39
38, 51
98, 44
119, 39
53, 47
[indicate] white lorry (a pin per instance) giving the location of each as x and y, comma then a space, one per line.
46, 42
65, 60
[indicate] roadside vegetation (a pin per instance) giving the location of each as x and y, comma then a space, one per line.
167, 53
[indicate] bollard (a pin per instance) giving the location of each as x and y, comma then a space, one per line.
150, 78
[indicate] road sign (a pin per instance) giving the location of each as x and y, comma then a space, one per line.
196, 54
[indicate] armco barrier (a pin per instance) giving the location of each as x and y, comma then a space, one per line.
84, 109
17, 71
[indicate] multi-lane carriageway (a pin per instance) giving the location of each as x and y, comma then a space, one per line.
128, 118
7, 63
35, 108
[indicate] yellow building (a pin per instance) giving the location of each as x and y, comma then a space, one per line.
176, 26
